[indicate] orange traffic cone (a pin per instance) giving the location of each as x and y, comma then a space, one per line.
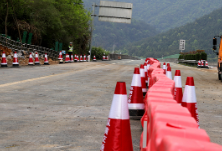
60, 55
36, 59
117, 133
67, 59
143, 83
94, 58
72, 58
168, 72
84, 58
30, 60
189, 98
168, 64
15, 60
164, 67
206, 64
178, 94
75, 58
46, 61
199, 64
4, 60
135, 100
81, 58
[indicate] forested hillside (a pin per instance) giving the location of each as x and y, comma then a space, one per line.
198, 35
113, 36
48, 21
167, 14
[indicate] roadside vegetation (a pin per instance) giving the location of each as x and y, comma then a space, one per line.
48, 20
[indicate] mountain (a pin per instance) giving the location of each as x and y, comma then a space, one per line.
167, 14
113, 36
198, 35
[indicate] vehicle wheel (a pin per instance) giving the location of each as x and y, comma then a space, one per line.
219, 76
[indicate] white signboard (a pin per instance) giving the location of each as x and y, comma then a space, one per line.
115, 12
182, 45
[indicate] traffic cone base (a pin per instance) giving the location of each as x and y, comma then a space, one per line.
61, 61
4, 65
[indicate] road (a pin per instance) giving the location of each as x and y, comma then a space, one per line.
66, 106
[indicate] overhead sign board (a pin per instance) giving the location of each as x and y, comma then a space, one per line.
115, 12
182, 45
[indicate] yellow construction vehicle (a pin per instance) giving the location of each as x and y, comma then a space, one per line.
219, 54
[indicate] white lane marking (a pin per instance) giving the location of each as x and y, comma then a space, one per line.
113, 63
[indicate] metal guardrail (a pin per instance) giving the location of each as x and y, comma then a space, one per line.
18, 47
194, 62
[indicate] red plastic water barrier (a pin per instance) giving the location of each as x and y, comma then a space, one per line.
166, 125
175, 130
172, 143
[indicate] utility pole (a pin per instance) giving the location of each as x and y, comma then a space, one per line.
93, 14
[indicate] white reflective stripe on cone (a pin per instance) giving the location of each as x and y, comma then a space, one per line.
3, 55
15, 63
119, 108
142, 74
189, 95
136, 80
177, 80
144, 90
136, 106
144, 133
164, 66
169, 74
3, 63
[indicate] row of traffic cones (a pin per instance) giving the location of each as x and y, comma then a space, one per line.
16, 63
75, 59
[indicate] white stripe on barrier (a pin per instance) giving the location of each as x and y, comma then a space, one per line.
144, 133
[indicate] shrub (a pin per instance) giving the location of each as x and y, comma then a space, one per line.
98, 52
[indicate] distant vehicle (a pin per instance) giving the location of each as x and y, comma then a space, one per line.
219, 53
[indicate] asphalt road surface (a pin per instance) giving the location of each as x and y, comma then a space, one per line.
66, 106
